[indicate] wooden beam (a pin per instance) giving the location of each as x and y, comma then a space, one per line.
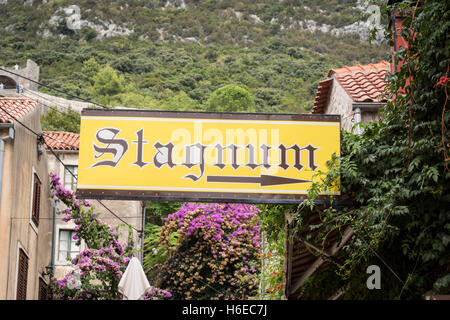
319, 261
337, 295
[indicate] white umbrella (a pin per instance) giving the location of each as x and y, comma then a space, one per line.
134, 284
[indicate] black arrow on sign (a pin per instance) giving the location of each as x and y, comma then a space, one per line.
263, 180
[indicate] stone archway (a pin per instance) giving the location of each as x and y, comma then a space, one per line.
8, 82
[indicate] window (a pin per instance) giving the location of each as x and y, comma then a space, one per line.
22, 276
67, 245
69, 181
36, 200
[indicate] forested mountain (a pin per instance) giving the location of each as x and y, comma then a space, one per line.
173, 54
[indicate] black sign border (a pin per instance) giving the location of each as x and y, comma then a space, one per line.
194, 196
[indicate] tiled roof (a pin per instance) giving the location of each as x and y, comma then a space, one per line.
17, 107
363, 83
359, 68
61, 140
322, 96
364, 87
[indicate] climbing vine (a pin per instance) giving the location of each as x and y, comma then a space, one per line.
96, 271
396, 174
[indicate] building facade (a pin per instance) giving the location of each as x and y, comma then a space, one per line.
25, 205
33, 238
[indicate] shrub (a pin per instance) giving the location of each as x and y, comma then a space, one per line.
217, 251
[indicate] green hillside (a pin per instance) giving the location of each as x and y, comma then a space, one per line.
175, 54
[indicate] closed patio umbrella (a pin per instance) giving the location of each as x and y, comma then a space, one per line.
134, 284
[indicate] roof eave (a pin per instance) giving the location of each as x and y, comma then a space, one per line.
6, 125
368, 106
61, 151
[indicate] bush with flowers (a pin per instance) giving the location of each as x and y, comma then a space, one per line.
272, 275
98, 269
273, 226
217, 251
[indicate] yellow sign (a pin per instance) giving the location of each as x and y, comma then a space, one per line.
134, 154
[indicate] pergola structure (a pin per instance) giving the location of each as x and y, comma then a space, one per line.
303, 258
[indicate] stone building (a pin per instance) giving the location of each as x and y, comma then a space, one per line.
26, 208
66, 145
355, 93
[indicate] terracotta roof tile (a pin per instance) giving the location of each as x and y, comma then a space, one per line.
363, 83
61, 140
17, 107
364, 87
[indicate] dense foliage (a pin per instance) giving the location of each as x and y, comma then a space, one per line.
176, 58
398, 176
98, 269
211, 251
57, 120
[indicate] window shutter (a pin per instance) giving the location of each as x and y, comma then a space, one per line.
22, 276
36, 200
44, 293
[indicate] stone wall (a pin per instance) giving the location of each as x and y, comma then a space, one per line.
62, 104
367, 117
340, 103
31, 71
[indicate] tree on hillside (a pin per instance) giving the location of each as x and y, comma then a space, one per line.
179, 102
107, 83
231, 98
55, 120
90, 68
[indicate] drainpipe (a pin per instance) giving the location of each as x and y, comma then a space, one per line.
55, 210
144, 207
358, 129
10, 136
394, 50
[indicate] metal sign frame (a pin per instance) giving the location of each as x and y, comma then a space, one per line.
203, 196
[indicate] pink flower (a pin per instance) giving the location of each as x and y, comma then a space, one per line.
442, 81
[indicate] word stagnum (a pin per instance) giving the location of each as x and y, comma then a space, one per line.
194, 154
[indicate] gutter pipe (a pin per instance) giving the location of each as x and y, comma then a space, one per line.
142, 235
55, 210
10, 136
358, 107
